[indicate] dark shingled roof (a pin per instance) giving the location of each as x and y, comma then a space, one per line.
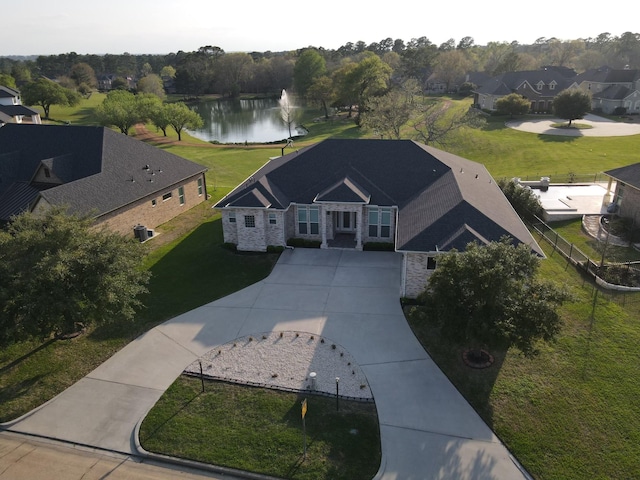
444, 201
629, 175
509, 82
101, 170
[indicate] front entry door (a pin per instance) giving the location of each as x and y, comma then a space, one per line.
346, 221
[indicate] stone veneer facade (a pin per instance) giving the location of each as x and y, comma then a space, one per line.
417, 269
275, 227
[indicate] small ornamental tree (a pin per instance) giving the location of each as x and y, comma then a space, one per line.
572, 105
513, 104
490, 297
180, 116
59, 274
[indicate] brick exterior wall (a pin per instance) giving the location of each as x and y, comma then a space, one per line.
416, 274
143, 212
258, 237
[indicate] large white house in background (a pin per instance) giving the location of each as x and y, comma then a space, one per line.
12, 110
348, 193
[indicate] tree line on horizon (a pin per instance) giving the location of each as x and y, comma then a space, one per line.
212, 70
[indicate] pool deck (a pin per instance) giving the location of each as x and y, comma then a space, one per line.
566, 201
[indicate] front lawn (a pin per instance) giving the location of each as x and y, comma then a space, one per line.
260, 430
188, 271
571, 412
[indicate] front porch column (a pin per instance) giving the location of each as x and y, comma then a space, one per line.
323, 227
359, 224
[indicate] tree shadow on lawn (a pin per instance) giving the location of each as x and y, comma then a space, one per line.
195, 271
549, 138
475, 384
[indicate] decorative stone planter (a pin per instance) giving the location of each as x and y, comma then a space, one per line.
484, 360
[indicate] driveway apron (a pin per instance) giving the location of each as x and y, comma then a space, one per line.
428, 430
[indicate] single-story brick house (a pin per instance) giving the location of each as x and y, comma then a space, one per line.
626, 197
123, 182
347, 193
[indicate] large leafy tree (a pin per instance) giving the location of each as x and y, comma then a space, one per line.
180, 116
322, 93
152, 84
45, 93
309, 66
513, 104
58, 274
490, 296
572, 104
369, 78
123, 109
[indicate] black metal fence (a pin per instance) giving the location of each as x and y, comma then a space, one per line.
569, 177
581, 260
567, 249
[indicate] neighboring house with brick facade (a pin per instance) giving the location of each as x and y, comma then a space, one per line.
626, 196
611, 89
122, 182
347, 193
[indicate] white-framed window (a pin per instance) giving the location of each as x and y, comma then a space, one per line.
181, 195
250, 221
431, 263
272, 219
232, 217
308, 220
540, 85
380, 222
199, 186
167, 196
153, 202
552, 85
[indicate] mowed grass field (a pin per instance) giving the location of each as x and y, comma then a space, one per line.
571, 413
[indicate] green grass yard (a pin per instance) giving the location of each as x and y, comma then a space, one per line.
260, 430
570, 413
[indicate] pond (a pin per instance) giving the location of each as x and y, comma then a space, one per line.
244, 120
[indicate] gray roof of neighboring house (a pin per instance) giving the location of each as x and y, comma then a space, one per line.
100, 170
6, 92
629, 175
507, 83
444, 201
613, 92
14, 110
608, 75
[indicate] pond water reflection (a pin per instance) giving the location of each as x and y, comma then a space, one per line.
241, 120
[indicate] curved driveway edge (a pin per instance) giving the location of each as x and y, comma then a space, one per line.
428, 430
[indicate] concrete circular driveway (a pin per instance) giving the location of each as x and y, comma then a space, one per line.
601, 127
427, 428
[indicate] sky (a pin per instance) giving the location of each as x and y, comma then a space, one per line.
46, 27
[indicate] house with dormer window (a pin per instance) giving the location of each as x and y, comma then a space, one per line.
540, 87
418, 200
612, 90
121, 182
